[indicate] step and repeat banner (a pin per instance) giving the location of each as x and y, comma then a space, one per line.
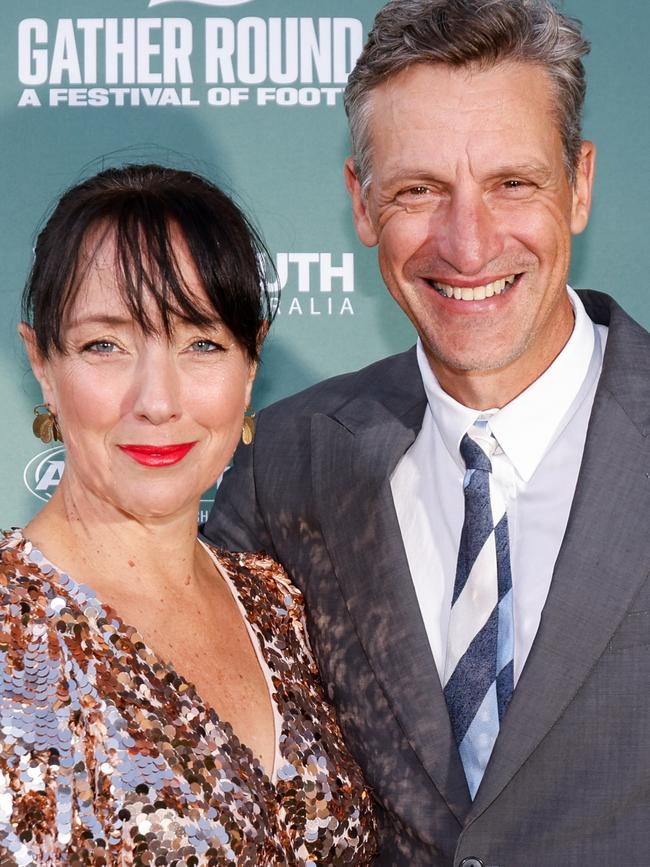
250, 93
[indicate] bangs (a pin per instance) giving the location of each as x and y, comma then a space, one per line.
156, 220
145, 267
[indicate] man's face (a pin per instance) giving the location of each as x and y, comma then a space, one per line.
473, 211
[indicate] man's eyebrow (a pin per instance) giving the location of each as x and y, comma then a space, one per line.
537, 169
416, 175
410, 177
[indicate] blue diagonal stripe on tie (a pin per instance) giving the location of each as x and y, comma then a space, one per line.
472, 677
477, 528
505, 641
476, 747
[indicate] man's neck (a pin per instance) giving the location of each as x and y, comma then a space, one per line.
497, 387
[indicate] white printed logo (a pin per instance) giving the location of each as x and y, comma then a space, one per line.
201, 2
43, 473
318, 283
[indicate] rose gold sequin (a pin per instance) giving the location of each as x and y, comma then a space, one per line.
108, 757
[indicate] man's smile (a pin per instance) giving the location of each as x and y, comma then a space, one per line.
474, 293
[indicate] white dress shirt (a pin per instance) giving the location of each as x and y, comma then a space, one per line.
541, 436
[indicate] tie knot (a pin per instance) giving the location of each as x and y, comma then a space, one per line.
473, 455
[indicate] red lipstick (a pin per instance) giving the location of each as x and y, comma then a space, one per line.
158, 456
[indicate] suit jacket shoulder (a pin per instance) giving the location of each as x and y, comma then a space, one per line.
626, 363
274, 474
391, 385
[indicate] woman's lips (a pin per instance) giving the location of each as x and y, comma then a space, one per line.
158, 456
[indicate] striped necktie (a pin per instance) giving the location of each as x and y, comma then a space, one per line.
480, 644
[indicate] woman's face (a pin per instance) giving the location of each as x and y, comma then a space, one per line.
149, 422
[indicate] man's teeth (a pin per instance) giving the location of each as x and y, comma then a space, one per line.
476, 293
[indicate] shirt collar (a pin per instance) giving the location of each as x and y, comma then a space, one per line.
526, 426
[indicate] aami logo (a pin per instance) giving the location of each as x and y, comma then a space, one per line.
43, 473
200, 2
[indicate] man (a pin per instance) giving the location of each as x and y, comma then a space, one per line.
468, 520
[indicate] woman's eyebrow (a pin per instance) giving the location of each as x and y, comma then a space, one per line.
101, 319
213, 321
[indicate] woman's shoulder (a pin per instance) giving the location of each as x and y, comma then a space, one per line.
22, 581
31, 606
34, 603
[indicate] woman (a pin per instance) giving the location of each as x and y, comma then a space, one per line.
122, 663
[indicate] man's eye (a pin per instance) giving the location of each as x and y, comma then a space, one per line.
516, 188
417, 197
516, 184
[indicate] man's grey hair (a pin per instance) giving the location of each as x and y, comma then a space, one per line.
478, 33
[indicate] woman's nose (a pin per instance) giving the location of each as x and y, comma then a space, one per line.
156, 386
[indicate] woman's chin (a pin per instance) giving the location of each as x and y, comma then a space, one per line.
158, 504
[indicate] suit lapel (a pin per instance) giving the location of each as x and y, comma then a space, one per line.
603, 561
353, 455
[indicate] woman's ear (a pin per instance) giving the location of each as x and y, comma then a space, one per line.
261, 334
39, 365
252, 371
252, 368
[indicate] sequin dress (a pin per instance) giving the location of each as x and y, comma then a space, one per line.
109, 757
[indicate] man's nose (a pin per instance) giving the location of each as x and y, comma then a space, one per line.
472, 236
156, 387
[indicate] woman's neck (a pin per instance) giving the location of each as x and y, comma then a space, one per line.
114, 552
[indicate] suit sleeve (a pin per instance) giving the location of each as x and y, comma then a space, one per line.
235, 521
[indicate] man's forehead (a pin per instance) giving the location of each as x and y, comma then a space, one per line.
461, 87
441, 107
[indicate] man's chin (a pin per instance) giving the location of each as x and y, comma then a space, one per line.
464, 361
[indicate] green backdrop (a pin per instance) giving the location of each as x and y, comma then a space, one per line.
250, 93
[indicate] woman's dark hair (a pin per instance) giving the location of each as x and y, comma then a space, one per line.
139, 206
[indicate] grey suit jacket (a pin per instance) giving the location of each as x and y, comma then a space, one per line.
569, 779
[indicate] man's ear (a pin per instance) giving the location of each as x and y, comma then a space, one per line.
363, 223
39, 365
582, 187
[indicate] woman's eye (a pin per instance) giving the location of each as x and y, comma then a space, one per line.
205, 345
102, 347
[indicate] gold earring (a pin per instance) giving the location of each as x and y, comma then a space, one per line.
45, 425
248, 429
